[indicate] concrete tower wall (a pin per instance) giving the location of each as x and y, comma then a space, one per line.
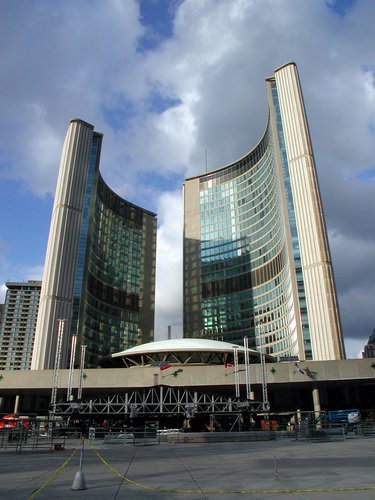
322, 306
58, 277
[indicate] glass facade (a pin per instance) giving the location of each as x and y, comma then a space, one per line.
84, 232
115, 276
245, 284
110, 291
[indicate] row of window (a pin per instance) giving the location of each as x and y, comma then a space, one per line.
228, 173
124, 209
238, 183
112, 296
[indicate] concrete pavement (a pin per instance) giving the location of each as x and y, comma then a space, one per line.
284, 469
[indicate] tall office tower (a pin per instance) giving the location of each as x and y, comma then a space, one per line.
256, 256
17, 328
99, 274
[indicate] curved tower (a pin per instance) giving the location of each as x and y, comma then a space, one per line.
256, 256
99, 273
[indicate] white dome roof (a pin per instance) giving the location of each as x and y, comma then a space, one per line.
179, 345
186, 351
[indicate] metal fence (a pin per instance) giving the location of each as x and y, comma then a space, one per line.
48, 435
20, 438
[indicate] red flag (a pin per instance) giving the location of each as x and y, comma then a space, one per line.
164, 367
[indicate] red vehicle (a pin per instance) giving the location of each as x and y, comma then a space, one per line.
12, 420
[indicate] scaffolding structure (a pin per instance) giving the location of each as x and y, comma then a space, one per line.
160, 400
71, 367
56, 371
81, 372
236, 371
247, 369
265, 401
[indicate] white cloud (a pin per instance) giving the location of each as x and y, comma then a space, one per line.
169, 266
20, 275
3, 291
60, 61
160, 143
354, 347
56, 66
353, 259
33, 273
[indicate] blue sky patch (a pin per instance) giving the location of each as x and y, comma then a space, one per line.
120, 115
367, 175
175, 180
159, 103
35, 220
157, 17
341, 7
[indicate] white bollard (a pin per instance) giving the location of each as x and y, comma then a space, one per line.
79, 482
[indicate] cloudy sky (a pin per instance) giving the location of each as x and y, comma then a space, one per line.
170, 82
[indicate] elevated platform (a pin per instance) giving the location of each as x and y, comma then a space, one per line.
346, 383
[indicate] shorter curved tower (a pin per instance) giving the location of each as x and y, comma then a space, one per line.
256, 256
99, 273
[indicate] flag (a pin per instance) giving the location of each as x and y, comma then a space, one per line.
161, 364
164, 366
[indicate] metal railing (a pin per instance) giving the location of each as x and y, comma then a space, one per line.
19, 438
52, 437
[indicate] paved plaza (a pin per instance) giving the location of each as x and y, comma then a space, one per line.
259, 470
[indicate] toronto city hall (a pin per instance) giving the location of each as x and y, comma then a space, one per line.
256, 260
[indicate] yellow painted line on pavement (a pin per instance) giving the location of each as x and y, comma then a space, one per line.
53, 476
227, 491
